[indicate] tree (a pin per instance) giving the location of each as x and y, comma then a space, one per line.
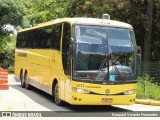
138, 13
155, 46
135, 12
10, 13
7, 51
148, 31
39, 11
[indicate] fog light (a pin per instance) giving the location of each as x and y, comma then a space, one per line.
79, 99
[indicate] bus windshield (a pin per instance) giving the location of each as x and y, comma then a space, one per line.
104, 54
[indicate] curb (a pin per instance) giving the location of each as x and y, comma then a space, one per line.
148, 102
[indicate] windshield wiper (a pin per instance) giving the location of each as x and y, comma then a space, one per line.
101, 72
116, 69
106, 60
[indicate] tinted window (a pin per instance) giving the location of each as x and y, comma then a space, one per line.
45, 37
65, 46
56, 36
21, 40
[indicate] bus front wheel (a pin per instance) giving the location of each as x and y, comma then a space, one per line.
57, 100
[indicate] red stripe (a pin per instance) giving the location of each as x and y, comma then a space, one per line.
3, 70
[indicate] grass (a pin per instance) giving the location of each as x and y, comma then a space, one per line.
147, 88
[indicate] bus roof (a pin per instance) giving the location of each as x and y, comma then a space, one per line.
82, 21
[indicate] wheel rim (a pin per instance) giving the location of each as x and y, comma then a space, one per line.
56, 94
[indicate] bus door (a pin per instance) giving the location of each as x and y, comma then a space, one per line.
56, 58
66, 60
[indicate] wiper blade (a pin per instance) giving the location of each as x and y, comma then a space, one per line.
118, 72
100, 72
102, 64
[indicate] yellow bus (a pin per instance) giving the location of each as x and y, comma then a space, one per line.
81, 61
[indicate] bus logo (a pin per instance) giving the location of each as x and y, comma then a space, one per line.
107, 91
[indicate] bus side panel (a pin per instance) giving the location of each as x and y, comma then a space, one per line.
33, 69
21, 62
39, 69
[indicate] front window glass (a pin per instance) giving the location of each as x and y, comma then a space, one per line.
104, 54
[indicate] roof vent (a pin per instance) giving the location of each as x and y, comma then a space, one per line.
106, 17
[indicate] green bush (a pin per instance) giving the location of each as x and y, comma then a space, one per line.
7, 51
11, 69
147, 89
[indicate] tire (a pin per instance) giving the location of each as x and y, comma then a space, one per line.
22, 80
27, 85
58, 101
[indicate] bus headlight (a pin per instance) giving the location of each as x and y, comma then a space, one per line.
129, 92
79, 90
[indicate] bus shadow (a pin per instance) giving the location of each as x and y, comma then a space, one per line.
47, 101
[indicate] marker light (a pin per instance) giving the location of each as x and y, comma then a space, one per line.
79, 90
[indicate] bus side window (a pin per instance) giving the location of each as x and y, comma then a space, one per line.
56, 36
19, 38
48, 31
41, 38
28, 38
36, 38
33, 39
65, 46
24, 40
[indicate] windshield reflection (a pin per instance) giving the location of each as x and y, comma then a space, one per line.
101, 50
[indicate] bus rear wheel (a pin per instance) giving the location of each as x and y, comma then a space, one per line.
57, 100
27, 85
22, 80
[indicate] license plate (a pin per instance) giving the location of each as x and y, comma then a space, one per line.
107, 99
